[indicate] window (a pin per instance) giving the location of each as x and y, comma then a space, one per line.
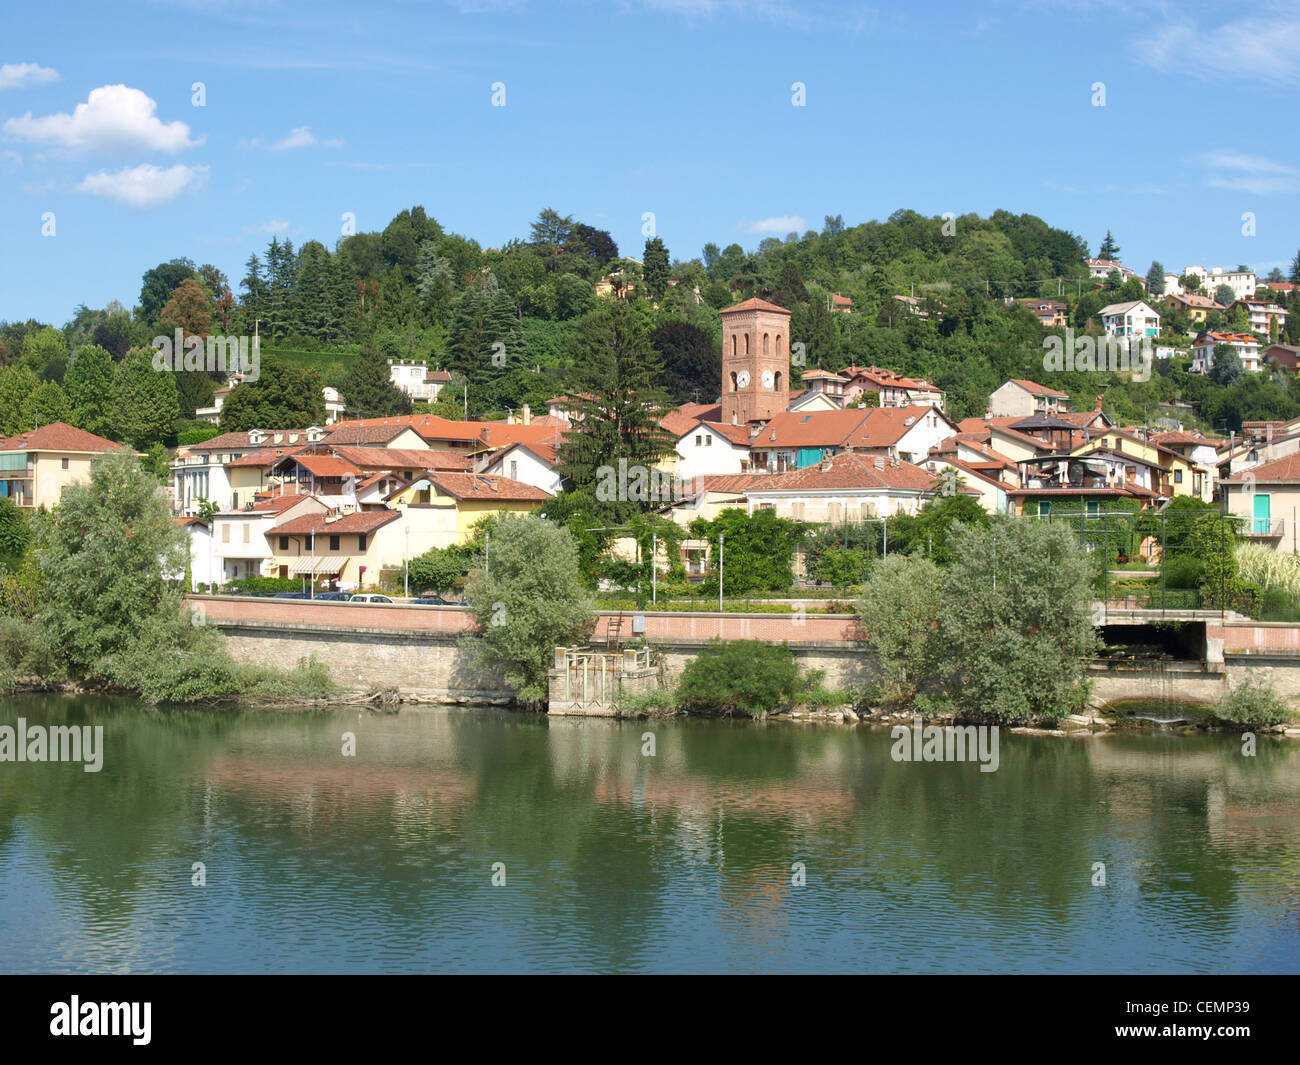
64, 463
1044, 507
361, 543
1093, 508
776, 382
284, 543
514, 473
835, 512
699, 437
246, 528
1178, 476
708, 441
767, 343
225, 533
746, 343
796, 511
334, 543
733, 348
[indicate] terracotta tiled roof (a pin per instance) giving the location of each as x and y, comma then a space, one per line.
886, 426
478, 486
731, 483
59, 436
705, 412
266, 457
677, 423
1283, 470
754, 305
1038, 390
236, 441
276, 503
402, 458
341, 433
361, 521
823, 428
850, 471
326, 465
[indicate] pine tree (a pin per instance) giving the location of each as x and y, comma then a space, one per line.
1109, 250
654, 267
87, 383
369, 391
143, 404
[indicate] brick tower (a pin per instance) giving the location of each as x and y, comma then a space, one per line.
755, 362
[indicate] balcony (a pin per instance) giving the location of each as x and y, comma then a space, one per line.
1263, 529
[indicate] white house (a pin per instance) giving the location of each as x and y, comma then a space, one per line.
532, 464
1261, 314
203, 560
1242, 282
711, 448
1136, 318
1019, 398
1203, 350
239, 543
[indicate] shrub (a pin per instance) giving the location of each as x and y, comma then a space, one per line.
748, 676
1182, 571
1253, 702
899, 613
531, 601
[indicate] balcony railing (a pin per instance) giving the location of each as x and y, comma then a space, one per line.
1263, 529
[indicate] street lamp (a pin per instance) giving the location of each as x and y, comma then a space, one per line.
722, 539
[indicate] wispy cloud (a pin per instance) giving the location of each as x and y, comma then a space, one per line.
23, 75
782, 224
1260, 47
299, 137
1255, 174
115, 119
146, 185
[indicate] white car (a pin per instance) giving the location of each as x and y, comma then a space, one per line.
370, 597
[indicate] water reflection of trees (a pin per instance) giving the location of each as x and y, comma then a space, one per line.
608, 852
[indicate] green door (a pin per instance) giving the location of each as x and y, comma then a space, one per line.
1263, 506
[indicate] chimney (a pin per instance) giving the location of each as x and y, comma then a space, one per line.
1098, 406
527, 414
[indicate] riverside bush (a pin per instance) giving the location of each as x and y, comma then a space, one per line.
748, 676
1253, 702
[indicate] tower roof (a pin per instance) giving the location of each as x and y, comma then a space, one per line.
755, 305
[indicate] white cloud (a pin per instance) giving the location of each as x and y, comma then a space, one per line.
1259, 47
303, 137
21, 75
146, 185
1254, 174
114, 119
782, 224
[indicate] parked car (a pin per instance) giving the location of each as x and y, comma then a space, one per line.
429, 600
289, 595
334, 597
370, 597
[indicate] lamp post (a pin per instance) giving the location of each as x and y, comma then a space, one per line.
406, 565
722, 539
654, 551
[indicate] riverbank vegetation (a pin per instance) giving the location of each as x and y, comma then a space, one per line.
998, 635
98, 603
528, 598
750, 678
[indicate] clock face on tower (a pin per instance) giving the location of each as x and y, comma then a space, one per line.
768, 379
742, 379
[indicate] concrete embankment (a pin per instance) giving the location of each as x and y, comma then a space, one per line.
425, 654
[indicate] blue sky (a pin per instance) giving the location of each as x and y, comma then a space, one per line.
678, 107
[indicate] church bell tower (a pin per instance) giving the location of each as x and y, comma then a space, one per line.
755, 362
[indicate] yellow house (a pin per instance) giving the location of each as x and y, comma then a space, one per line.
331, 546
447, 505
36, 466
1178, 473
